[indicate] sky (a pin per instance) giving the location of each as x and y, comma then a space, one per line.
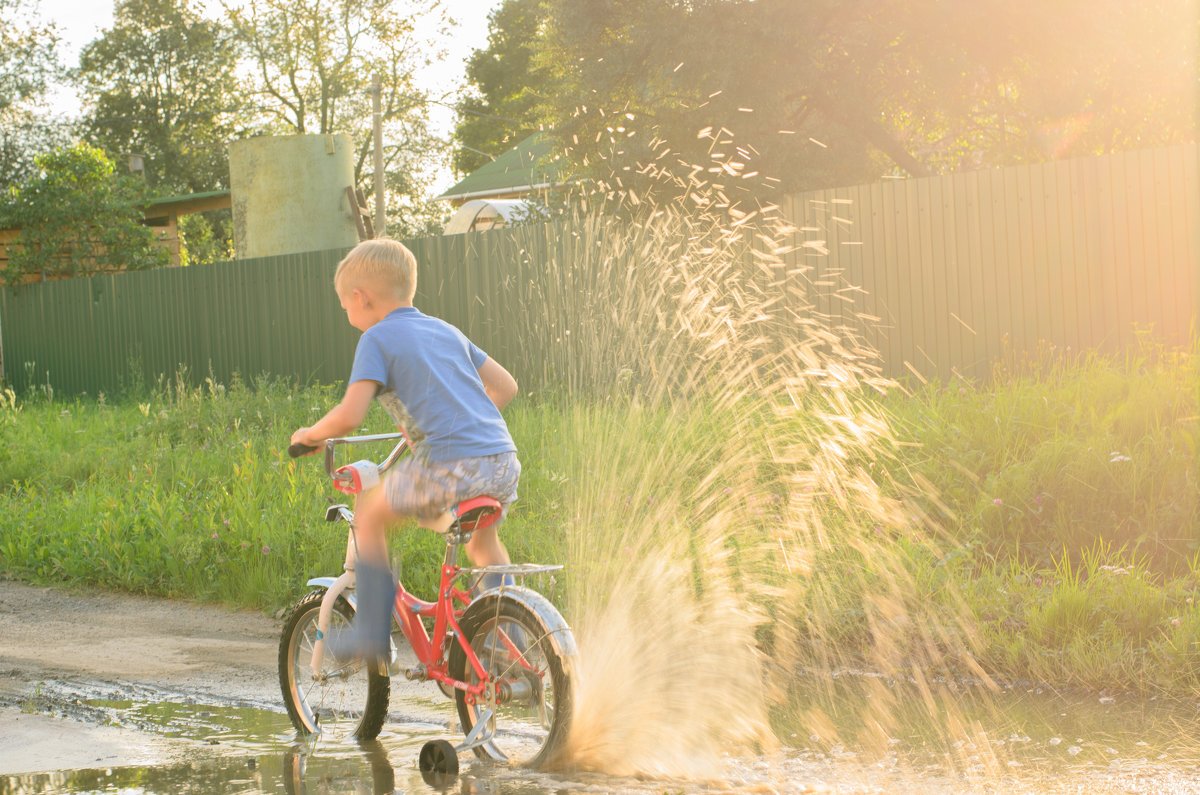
81, 21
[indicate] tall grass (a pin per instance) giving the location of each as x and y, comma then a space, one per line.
185, 492
181, 491
1069, 454
1074, 486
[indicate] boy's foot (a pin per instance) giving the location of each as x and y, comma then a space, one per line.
369, 637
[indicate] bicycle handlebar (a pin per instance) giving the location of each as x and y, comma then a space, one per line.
298, 449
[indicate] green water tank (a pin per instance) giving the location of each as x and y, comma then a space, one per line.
289, 194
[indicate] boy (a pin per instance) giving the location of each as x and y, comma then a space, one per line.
446, 394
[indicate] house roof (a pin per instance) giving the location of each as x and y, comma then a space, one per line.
524, 167
189, 197
167, 206
180, 205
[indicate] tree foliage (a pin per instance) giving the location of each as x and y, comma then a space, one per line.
28, 62
508, 85
832, 92
77, 216
162, 82
313, 64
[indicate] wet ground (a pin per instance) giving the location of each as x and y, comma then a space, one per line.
112, 693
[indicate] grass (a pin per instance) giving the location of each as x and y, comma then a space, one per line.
1076, 566
1075, 453
1074, 487
185, 492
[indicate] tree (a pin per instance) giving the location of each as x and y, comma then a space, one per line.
162, 82
832, 92
77, 216
509, 84
314, 61
28, 62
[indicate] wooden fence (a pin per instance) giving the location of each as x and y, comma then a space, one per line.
961, 270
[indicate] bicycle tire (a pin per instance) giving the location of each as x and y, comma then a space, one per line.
518, 733
361, 721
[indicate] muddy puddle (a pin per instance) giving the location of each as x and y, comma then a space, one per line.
1021, 740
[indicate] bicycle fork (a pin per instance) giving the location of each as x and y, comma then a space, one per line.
334, 588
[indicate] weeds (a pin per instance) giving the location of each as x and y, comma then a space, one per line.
1079, 567
1078, 453
35, 702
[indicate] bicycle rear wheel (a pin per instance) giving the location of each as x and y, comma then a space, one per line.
523, 652
347, 701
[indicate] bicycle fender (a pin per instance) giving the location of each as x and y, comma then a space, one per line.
327, 583
561, 637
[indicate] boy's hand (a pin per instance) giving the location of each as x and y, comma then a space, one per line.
341, 419
301, 437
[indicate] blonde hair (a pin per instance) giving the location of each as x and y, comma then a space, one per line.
381, 264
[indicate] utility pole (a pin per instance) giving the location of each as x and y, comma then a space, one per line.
380, 214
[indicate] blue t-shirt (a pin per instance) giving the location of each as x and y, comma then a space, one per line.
431, 386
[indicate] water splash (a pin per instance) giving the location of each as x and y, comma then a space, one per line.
736, 527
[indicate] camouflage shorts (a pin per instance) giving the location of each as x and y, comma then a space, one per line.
427, 489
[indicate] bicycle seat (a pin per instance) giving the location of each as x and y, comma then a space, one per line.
477, 513
470, 515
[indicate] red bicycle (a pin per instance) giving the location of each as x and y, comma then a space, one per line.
506, 656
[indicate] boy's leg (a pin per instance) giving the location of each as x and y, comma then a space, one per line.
372, 517
370, 636
497, 476
485, 549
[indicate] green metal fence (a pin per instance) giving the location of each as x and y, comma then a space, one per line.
274, 315
91, 335
959, 269
967, 268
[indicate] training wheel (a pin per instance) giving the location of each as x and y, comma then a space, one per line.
438, 758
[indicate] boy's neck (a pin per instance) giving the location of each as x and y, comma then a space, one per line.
385, 308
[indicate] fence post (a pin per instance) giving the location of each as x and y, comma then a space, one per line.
2, 379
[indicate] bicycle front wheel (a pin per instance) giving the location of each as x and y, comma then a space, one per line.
522, 652
343, 701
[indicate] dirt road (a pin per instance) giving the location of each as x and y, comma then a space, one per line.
97, 682
60, 649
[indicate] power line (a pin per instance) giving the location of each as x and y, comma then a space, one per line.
279, 109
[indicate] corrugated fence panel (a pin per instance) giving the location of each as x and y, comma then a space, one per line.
967, 269
944, 275
276, 315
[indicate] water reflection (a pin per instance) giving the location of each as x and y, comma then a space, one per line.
1017, 726
378, 768
295, 772
1025, 740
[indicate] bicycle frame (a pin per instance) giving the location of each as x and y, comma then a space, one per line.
430, 650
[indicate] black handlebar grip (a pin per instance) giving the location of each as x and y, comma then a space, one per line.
296, 450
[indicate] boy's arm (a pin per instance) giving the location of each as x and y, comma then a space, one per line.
342, 418
499, 384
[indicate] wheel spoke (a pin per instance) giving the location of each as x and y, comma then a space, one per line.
512, 644
337, 702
